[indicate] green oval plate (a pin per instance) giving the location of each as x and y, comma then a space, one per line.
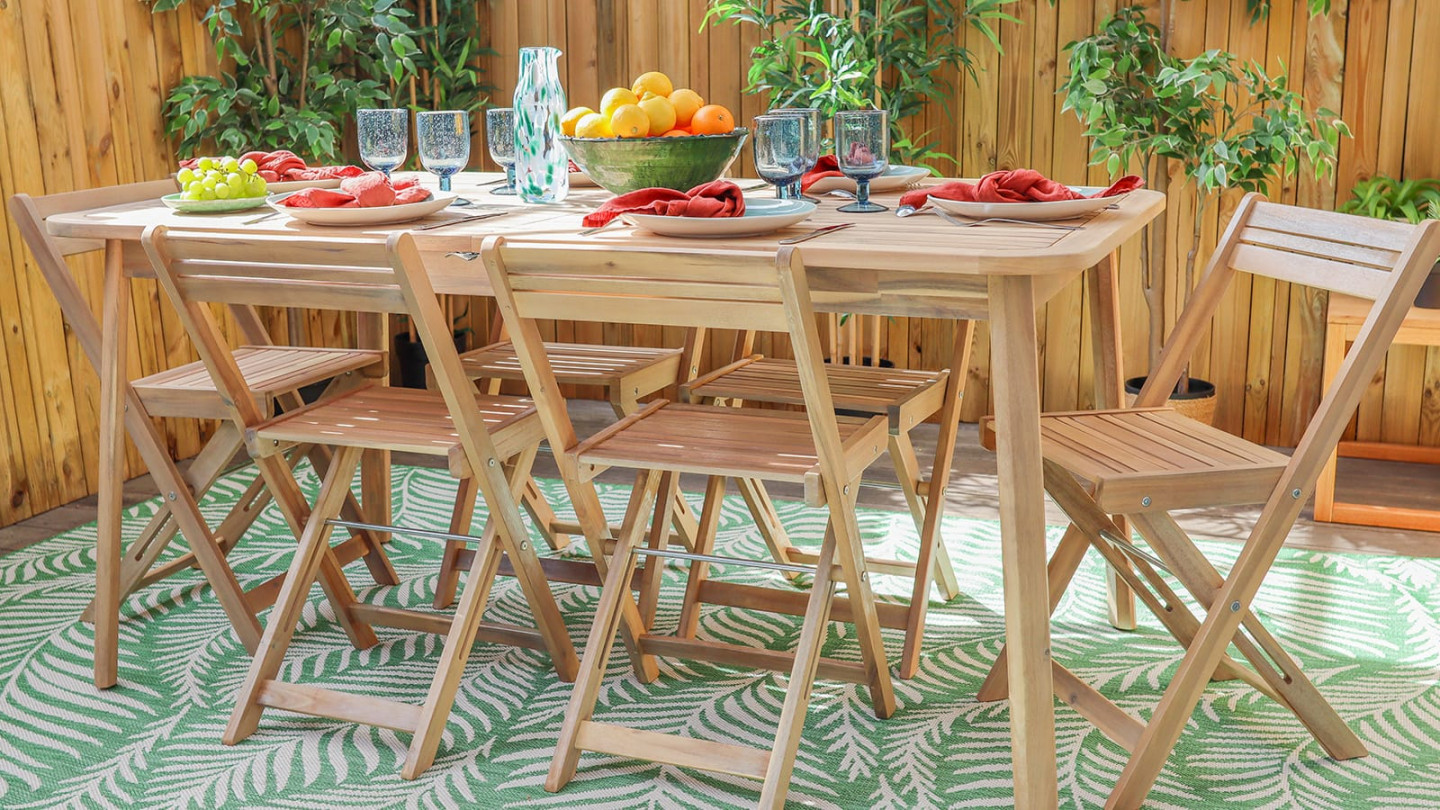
211, 206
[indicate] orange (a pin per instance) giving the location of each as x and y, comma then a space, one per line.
712, 119
567, 124
661, 113
652, 82
686, 102
678, 133
615, 98
629, 121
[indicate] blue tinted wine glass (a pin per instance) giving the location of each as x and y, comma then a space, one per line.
444, 144
862, 146
779, 152
384, 138
500, 138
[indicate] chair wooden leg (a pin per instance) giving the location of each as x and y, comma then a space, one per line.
1298, 693
850, 554
291, 502
802, 678
608, 617
461, 517
304, 568
653, 575
704, 544
767, 520
529, 574
907, 470
441, 697
350, 509
542, 515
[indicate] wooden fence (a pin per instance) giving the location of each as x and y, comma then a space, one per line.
80, 106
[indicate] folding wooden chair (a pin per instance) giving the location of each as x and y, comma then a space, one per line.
488, 442
824, 453
904, 397
1145, 462
273, 373
626, 374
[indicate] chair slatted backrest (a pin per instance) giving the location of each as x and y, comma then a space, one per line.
1385, 262
724, 289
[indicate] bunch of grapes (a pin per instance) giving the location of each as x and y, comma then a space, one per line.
221, 179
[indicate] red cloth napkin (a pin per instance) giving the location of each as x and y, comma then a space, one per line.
826, 166
717, 198
366, 190
1017, 185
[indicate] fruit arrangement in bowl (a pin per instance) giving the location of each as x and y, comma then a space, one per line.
218, 184
652, 135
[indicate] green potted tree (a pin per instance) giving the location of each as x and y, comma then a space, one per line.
1212, 121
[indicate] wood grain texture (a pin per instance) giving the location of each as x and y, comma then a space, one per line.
81, 107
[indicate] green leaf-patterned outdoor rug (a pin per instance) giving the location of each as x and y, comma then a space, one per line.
1364, 626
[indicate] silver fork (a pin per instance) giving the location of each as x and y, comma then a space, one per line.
615, 221
973, 222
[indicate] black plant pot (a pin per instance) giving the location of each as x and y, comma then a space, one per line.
1198, 403
1429, 295
412, 361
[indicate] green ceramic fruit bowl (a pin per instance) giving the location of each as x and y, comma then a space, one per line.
620, 165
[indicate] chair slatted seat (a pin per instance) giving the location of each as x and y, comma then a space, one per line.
1145, 462
269, 371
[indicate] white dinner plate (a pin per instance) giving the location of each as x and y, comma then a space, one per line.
579, 179
761, 217
1031, 211
388, 215
894, 179
282, 186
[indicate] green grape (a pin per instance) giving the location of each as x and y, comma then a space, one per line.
230, 165
193, 196
236, 182
185, 176
210, 181
206, 164
255, 187
223, 192
207, 193
249, 166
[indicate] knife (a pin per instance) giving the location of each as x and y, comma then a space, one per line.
795, 240
432, 226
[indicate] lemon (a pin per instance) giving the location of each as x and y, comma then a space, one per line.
653, 82
661, 113
567, 124
615, 98
593, 125
630, 121
687, 102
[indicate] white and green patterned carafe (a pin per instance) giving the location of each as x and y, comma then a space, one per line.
541, 164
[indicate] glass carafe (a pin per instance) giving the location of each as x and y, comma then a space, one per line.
541, 164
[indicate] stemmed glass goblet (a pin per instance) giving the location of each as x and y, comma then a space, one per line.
862, 147
500, 138
779, 152
384, 138
444, 144
811, 134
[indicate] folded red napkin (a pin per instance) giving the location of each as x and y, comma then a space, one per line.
366, 190
826, 166
717, 198
1017, 185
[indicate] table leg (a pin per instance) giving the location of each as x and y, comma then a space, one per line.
375, 490
115, 313
1104, 282
1022, 539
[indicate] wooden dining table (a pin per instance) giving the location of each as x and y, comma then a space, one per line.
920, 266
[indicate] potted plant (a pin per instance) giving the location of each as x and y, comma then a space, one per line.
889, 54
1411, 201
1213, 121
411, 361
